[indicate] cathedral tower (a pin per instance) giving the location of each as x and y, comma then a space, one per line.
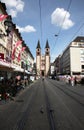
38, 58
42, 61
47, 58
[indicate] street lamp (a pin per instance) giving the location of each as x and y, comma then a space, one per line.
8, 26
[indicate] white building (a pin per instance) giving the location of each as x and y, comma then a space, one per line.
72, 59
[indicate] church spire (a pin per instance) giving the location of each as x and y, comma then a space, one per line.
47, 44
38, 45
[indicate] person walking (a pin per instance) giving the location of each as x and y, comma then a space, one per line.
75, 80
72, 81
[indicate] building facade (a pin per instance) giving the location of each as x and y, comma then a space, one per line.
9, 48
42, 61
72, 58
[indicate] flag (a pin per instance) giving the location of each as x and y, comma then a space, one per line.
19, 55
23, 48
16, 45
13, 54
2, 17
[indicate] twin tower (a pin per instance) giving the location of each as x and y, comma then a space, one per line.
42, 61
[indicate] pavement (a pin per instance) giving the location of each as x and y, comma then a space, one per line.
9, 100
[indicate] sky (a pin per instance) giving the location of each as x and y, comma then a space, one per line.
58, 21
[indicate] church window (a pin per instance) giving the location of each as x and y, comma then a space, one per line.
38, 53
47, 53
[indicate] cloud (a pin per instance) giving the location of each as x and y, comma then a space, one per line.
61, 18
13, 13
27, 28
14, 6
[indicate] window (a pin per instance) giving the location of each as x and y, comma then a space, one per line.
82, 51
81, 44
82, 59
82, 66
82, 40
47, 53
38, 53
75, 43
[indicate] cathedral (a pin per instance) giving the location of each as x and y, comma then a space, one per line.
42, 61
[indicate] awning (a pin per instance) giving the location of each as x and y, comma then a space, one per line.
5, 66
18, 69
3, 63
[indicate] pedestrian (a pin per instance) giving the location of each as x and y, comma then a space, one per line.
75, 80
69, 80
72, 81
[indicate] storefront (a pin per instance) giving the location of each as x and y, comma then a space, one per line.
5, 70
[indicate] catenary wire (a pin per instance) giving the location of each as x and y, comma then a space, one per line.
40, 8
74, 35
58, 34
77, 31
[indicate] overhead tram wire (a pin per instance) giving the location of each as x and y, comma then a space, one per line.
77, 31
75, 34
62, 22
78, 28
41, 24
81, 26
58, 34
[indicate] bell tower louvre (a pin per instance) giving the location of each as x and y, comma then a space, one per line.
42, 61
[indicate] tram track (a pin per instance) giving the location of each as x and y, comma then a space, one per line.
30, 119
45, 105
68, 87
65, 106
69, 93
49, 110
25, 113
